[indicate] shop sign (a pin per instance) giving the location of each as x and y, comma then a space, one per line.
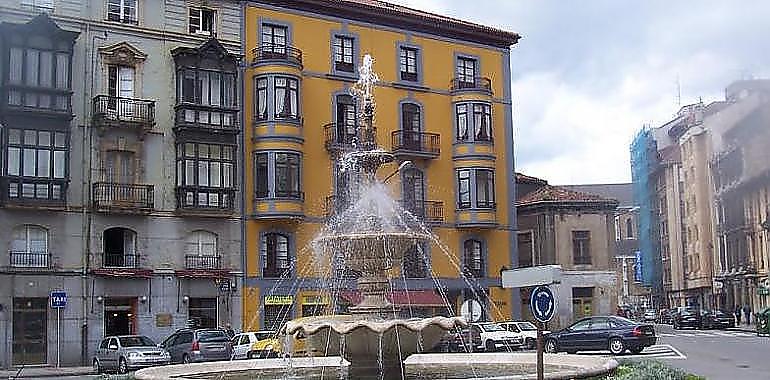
163, 320
315, 300
763, 291
279, 300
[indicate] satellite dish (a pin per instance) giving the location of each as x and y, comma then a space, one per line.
471, 310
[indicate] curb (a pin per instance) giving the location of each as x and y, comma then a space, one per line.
34, 373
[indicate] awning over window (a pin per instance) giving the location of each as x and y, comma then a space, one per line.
405, 298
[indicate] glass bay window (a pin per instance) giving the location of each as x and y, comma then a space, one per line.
277, 175
214, 94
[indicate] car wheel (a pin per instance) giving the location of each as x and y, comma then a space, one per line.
250, 355
531, 343
122, 366
676, 326
186, 359
489, 346
636, 350
97, 366
550, 346
616, 346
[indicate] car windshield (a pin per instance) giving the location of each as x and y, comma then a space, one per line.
526, 326
135, 341
212, 336
262, 335
491, 327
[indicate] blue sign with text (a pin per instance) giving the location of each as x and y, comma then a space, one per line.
638, 267
542, 304
58, 299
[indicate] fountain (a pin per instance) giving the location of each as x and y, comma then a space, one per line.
370, 238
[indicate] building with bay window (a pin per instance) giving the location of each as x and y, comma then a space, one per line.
120, 165
452, 121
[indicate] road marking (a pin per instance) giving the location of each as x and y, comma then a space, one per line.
665, 351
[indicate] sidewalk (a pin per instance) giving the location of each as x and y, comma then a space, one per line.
44, 372
744, 328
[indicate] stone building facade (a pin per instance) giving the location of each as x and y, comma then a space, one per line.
119, 184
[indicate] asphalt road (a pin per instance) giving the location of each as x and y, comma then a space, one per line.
718, 354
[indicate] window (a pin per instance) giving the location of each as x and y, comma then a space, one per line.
119, 166
526, 249
408, 64
37, 164
29, 247
286, 95
120, 248
581, 242
582, 302
347, 119
202, 21
476, 188
473, 260
33, 73
413, 191
205, 175
203, 312
466, 72
201, 243
274, 251
475, 127
415, 262
277, 175
123, 11
213, 89
260, 113
343, 54
629, 229
43, 4
274, 39
120, 81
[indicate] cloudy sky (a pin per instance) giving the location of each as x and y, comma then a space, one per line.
588, 74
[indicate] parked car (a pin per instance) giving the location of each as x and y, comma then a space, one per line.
667, 316
525, 330
459, 340
613, 333
687, 317
649, 315
717, 319
128, 352
257, 344
492, 337
198, 345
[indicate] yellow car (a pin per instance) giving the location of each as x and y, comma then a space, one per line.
267, 346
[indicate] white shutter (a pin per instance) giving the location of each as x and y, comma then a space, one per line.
126, 82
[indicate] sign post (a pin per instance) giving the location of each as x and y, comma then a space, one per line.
542, 304
58, 302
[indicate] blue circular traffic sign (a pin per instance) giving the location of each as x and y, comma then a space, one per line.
542, 304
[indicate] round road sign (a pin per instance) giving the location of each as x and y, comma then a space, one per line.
471, 310
542, 304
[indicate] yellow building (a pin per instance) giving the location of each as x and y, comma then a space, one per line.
443, 102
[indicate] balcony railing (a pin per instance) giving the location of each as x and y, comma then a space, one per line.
202, 262
122, 195
120, 260
116, 111
205, 198
274, 52
338, 136
428, 211
24, 259
274, 272
471, 84
417, 143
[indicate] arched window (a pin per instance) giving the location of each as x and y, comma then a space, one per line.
274, 250
473, 258
201, 250
629, 229
415, 262
120, 248
29, 247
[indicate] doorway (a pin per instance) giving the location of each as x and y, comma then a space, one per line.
30, 331
119, 316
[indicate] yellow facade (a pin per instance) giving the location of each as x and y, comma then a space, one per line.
301, 217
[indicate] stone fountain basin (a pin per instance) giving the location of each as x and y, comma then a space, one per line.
370, 251
316, 368
364, 339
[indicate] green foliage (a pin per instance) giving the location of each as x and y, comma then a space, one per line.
649, 370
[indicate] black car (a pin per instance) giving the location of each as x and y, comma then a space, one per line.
717, 319
613, 333
667, 316
687, 317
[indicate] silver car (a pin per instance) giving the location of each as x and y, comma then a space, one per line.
128, 352
198, 345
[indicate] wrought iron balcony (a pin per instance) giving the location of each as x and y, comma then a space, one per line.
117, 112
415, 144
111, 196
427, 211
202, 261
120, 260
277, 52
24, 259
480, 84
338, 136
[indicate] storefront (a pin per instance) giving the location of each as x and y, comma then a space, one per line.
277, 310
30, 331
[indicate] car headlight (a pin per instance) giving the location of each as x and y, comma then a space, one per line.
269, 347
134, 355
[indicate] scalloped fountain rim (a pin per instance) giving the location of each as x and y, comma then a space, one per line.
345, 324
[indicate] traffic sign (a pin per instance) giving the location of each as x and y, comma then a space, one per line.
471, 310
58, 299
542, 304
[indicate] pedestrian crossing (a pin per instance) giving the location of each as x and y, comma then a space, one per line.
707, 333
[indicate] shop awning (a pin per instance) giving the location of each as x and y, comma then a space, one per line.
123, 272
203, 273
405, 298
